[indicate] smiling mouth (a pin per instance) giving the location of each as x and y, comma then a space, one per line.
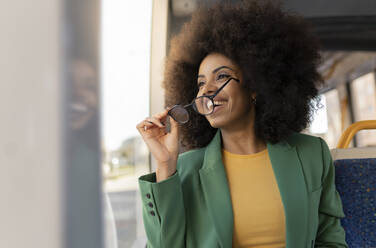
79, 107
218, 106
219, 103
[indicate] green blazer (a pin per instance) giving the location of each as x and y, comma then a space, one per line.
193, 209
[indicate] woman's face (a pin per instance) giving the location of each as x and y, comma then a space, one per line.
235, 102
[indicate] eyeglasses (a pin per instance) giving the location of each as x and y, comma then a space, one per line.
203, 105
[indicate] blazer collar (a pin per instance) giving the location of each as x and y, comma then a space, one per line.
213, 152
290, 179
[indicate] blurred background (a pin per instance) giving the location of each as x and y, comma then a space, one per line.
76, 78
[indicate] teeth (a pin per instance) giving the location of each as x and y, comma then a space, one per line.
219, 102
79, 107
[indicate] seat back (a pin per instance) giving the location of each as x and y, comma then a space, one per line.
355, 178
356, 183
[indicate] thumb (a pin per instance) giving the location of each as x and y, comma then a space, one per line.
174, 125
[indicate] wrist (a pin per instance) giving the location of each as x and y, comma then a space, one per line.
162, 173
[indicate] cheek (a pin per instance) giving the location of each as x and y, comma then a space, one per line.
230, 106
239, 104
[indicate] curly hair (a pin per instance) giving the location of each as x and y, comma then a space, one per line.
276, 51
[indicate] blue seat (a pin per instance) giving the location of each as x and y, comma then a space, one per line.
355, 178
356, 184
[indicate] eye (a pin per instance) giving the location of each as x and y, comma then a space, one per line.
222, 76
200, 84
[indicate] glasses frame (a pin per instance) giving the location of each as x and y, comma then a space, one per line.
193, 104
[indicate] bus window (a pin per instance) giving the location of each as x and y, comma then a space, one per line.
363, 92
348, 95
126, 37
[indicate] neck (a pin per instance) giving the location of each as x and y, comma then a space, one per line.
241, 138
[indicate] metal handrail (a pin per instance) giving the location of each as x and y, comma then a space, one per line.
349, 133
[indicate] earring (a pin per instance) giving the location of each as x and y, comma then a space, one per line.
253, 100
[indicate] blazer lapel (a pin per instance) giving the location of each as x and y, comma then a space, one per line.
290, 179
292, 186
216, 191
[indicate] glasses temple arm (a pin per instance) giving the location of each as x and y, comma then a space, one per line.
188, 105
212, 96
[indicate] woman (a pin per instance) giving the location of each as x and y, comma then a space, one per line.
249, 179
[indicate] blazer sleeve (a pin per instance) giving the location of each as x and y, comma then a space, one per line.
330, 232
163, 211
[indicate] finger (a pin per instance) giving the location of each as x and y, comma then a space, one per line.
148, 121
173, 122
163, 113
144, 125
140, 125
162, 116
156, 121
174, 125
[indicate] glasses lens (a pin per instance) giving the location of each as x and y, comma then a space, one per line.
179, 114
204, 105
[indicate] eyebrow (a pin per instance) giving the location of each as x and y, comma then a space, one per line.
217, 69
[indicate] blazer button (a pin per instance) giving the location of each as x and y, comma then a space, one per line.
152, 213
150, 204
148, 195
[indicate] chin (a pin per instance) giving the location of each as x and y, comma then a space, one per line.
217, 122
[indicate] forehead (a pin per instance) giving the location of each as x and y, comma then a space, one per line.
215, 60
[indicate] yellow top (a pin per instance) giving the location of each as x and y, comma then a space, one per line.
259, 218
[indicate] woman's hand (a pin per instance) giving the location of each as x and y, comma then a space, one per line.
163, 145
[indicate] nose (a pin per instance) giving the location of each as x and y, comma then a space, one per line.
208, 89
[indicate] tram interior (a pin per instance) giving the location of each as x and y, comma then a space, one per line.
72, 73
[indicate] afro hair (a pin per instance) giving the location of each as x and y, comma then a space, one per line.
276, 51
